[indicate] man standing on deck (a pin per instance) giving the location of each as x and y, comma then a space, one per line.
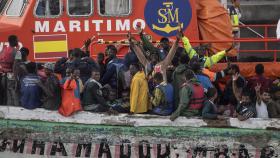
235, 15
7, 81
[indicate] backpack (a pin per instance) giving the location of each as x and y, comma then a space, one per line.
164, 108
121, 76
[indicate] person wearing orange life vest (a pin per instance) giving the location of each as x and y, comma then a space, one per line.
215, 76
191, 97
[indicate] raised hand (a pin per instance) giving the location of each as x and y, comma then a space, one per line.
129, 36
139, 29
235, 76
230, 48
180, 34
87, 43
131, 39
258, 87
228, 65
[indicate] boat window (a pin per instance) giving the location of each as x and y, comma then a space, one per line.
79, 8
48, 8
114, 7
16, 8
2, 5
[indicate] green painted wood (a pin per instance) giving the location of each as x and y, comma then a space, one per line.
73, 133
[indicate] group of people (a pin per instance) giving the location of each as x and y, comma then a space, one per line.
167, 80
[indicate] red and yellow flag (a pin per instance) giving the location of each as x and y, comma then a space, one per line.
50, 46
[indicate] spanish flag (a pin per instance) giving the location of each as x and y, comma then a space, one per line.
50, 46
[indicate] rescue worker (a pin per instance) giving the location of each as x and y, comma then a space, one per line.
235, 15
205, 61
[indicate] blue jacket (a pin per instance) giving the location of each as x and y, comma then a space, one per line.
205, 81
110, 76
85, 65
31, 93
168, 107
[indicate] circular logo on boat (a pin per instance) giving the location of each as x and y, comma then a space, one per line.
163, 16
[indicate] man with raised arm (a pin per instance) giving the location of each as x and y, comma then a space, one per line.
155, 64
207, 62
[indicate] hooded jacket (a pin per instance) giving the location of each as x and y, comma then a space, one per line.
139, 93
177, 77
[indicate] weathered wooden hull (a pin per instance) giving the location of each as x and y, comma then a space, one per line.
98, 135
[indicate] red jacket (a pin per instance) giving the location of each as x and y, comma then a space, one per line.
260, 79
6, 59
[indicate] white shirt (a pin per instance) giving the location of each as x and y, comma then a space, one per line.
224, 3
278, 30
261, 110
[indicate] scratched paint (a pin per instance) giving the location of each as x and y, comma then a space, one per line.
29, 138
125, 150
42, 133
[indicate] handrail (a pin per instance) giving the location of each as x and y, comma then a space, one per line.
258, 25
237, 40
265, 40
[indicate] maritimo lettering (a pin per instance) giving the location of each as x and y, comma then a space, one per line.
88, 25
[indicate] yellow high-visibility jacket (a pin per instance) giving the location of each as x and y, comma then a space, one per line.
209, 61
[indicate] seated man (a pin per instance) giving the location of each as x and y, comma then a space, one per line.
30, 91
245, 108
202, 78
266, 107
228, 96
72, 88
191, 97
93, 99
259, 78
162, 99
51, 88
138, 90
210, 109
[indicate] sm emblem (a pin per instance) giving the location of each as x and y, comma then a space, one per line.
163, 16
